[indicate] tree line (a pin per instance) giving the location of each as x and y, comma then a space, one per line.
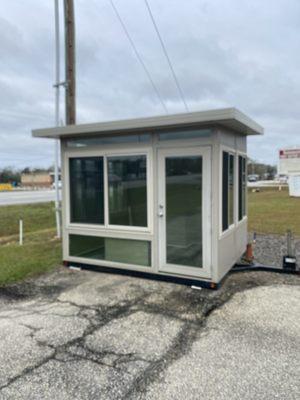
264, 171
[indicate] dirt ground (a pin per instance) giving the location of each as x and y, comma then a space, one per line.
88, 335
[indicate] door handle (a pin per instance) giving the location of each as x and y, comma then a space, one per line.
160, 212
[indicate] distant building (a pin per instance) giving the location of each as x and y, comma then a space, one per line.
36, 180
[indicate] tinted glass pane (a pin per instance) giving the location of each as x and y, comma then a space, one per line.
127, 183
87, 246
240, 188
231, 190
186, 134
94, 141
125, 251
184, 210
225, 191
244, 186
86, 190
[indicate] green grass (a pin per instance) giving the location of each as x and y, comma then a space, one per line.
35, 217
33, 258
272, 211
40, 253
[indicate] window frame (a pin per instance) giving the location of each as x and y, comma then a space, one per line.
105, 153
245, 217
230, 227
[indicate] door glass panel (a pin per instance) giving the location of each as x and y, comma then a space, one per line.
127, 186
184, 210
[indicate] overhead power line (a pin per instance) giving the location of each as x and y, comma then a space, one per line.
138, 55
180, 91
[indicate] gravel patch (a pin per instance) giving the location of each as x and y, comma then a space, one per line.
270, 249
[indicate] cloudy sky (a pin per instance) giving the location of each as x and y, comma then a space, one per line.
237, 53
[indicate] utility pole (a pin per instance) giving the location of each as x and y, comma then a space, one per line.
70, 62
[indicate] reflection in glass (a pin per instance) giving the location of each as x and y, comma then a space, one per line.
225, 190
106, 140
242, 187
127, 251
184, 134
127, 180
86, 190
231, 190
184, 210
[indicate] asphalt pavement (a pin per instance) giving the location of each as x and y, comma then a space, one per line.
26, 197
84, 335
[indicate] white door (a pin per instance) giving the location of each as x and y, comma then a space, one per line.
184, 211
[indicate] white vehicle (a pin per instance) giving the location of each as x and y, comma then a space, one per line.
283, 179
59, 185
252, 178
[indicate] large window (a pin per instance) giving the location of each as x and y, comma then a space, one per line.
127, 187
227, 190
125, 197
127, 251
242, 187
86, 190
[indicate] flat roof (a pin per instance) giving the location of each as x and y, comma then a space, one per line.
230, 118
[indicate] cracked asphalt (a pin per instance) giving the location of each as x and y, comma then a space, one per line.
87, 335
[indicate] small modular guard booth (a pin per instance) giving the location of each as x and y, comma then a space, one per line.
162, 195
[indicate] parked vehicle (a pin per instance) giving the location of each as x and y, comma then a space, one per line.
252, 178
59, 185
283, 178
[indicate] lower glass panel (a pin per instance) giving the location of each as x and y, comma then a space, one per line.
184, 210
127, 251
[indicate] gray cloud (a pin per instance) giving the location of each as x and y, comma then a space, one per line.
225, 53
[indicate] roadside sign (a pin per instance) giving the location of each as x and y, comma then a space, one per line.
289, 161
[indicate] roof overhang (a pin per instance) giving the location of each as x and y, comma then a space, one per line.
229, 118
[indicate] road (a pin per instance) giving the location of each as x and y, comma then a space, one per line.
77, 335
26, 197
274, 184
